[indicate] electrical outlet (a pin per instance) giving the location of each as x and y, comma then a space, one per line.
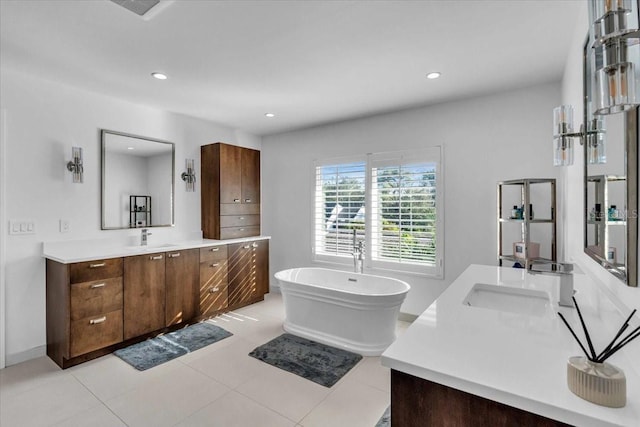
24, 226
65, 226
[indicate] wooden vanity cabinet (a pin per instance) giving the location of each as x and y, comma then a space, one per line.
230, 191
248, 272
181, 286
213, 292
84, 303
144, 294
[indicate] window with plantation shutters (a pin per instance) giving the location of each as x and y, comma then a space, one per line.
391, 201
339, 207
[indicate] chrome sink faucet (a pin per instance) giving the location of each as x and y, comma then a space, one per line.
564, 272
358, 254
144, 237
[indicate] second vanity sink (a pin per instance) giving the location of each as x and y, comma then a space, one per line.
530, 302
151, 248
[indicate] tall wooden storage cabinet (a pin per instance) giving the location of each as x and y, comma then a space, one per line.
230, 191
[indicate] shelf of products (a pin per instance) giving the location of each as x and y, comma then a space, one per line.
139, 211
523, 214
607, 217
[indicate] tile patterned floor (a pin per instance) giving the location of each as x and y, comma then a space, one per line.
219, 385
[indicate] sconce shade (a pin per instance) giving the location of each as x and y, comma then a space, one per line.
189, 177
75, 165
562, 135
596, 142
615, 55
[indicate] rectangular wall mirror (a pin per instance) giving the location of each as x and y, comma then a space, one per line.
137, 181
611, 186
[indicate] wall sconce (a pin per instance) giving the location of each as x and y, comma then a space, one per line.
189, 177
75, 165
615, 57
563, 135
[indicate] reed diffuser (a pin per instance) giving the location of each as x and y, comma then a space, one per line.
590, 377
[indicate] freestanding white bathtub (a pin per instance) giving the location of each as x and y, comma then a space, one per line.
356, 312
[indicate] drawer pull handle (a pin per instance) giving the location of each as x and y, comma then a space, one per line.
246, 247
215, 249
217, 264
241, 218
236, 200
255, 245
102, 264
242, 229
215, 289
174, 255
98, 285
96, 321
247, 200
155, 258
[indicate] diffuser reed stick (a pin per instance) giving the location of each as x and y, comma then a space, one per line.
610, 349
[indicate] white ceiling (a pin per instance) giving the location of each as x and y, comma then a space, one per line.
310, 62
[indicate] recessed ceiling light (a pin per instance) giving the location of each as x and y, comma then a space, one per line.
129, 148
269, 114
159, 76
433, 75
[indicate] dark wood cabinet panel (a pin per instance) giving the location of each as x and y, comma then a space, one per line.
95, 332
213, 253
250, 176
248, 272
144, 294
95, 270
416, 402
230, 174
181, 286
95, 298
230, 186
239, 220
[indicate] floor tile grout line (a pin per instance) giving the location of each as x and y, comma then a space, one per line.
103, 403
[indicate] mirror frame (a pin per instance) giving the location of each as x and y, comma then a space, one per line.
628, 275
103, 134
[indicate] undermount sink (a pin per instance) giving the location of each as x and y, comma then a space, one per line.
531, 302
151, 247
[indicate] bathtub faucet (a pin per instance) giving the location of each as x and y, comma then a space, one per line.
358, 254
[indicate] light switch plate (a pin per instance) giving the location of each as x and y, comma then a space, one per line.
23, 226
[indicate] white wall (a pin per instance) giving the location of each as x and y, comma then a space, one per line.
485, 140
43, 121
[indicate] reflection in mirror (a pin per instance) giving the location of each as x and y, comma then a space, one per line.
137, 181
611, 189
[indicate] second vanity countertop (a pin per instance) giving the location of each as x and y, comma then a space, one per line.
80, 251
516, 359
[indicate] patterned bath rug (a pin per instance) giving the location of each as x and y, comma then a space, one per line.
161, 349
316, 362
385, 419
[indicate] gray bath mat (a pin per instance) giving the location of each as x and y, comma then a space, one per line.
153, 352
316, 362
385, 419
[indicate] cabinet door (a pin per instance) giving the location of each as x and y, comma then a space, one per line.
242, 278
144, 294
250, 176
213, 286
261, 259
181, 291
230, 174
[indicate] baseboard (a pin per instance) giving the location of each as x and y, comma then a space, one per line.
23, 356
407, 317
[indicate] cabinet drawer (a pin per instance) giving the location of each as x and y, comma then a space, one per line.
237, 232
213, 253
239, 208
213, 273
96, 297
239, 220
213, 298
95, 270
95, 332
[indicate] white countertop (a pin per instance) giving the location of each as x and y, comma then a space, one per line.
513, 358
78, 251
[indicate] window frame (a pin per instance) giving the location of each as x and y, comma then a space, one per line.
431, 154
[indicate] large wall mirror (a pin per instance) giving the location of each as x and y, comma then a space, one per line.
137, 181
611, 184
